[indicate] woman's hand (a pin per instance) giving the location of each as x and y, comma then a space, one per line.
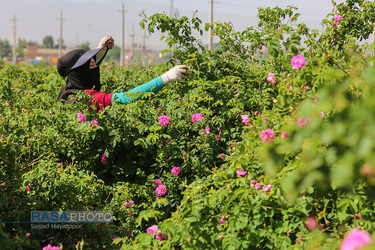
177, 73
107, 40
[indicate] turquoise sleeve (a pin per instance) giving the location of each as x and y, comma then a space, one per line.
154, 85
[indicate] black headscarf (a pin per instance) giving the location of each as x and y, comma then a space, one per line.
76, 66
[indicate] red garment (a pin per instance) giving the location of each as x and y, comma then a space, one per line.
99, 99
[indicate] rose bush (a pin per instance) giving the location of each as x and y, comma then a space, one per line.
267, 144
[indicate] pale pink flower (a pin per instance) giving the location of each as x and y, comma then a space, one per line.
160, 236
271, 78
267, 136
164, 120
322, 115
157, 182
220, 237
115, 238
311, 223
7, 104
285, 135
241, 172
337, 18
130, 204
81, 117
93, 124
28, 234
161, 190
207, 130
28, 188
279, 27
176, 170
153, 229
245, 119
356, 239
298, 62
60, 164
267, 188
49, 247
104, 158
303, 121
257, 186
222, 155
196, 117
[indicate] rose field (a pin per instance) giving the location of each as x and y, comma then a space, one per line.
269, 143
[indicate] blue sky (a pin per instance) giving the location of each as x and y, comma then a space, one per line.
89, 20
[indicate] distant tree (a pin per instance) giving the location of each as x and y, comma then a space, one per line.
85, 46
114, 53
48, 42
5, 49
22, 43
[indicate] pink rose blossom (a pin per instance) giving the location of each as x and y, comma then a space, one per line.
285, 135
222, 155
115, 238
337, 18
160, 236
49, 247
356, 216
303, 121
28, 234
196, 117
267, 136
298, 62
220, 237
176, 170
157, 182
241, 172
311, 223
267, 188
271, 78
207, 130
28, 188
260, 47
245, 119
60, 164
161, 190
153, 229
356, 239
164, 120
130, 204
104, 158
81, 117
257, 186
93, 124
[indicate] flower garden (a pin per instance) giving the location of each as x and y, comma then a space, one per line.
268, 144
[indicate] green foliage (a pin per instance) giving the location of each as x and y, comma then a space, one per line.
323, 169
